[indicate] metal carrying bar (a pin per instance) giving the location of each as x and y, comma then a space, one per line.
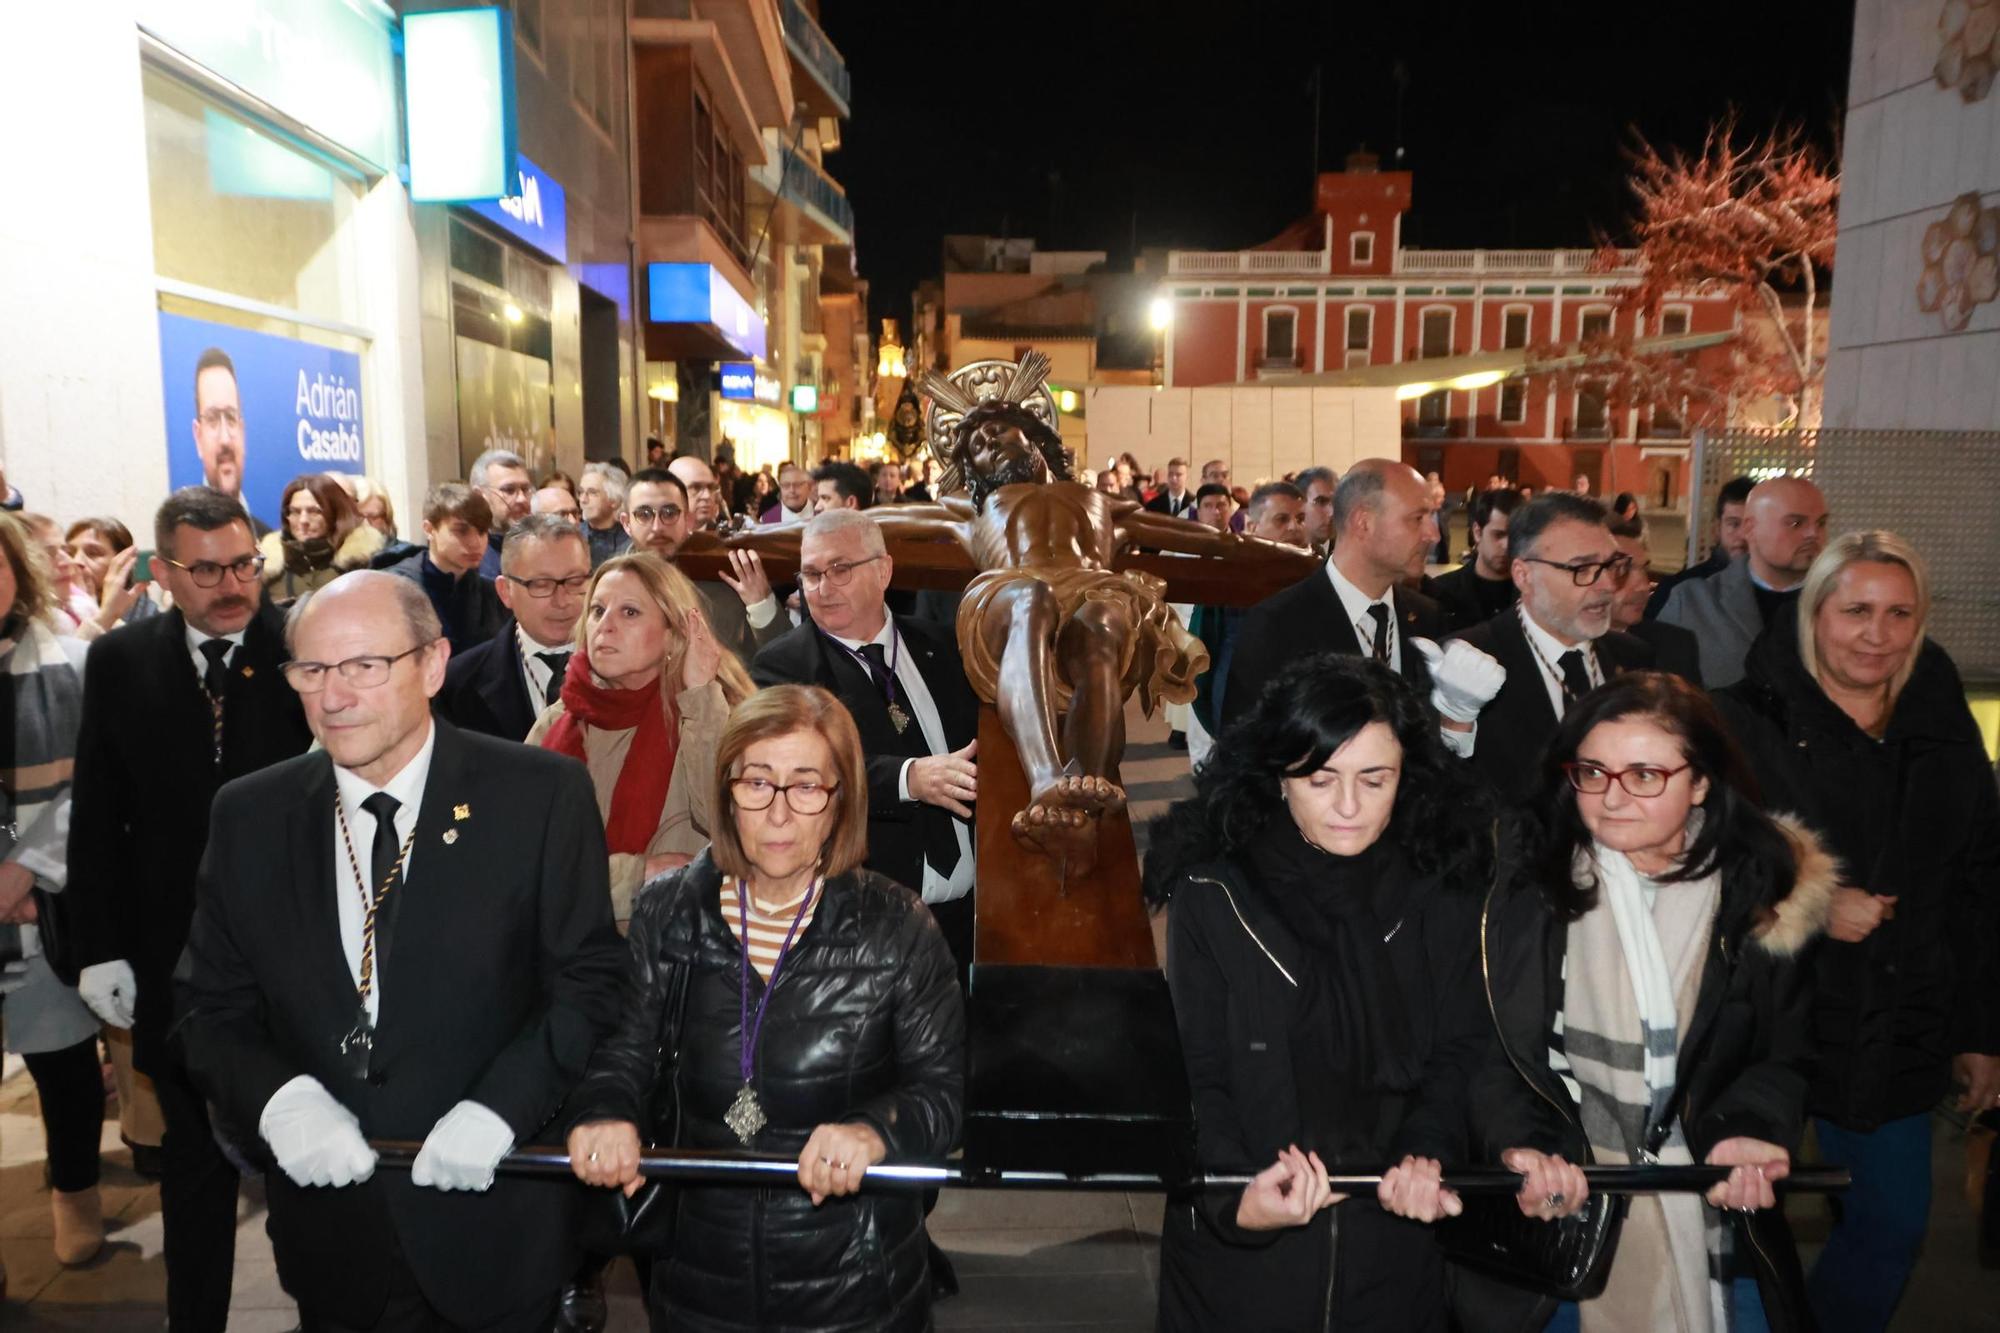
724, 1168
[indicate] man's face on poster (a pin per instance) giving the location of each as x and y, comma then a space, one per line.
218, 429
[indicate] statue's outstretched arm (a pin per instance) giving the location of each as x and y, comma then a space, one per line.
1141, 527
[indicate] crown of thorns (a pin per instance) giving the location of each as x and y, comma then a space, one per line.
1023, 384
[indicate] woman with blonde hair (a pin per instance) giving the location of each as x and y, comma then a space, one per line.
1851, 716
780, 998
643, 702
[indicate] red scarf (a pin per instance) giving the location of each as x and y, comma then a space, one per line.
641, 792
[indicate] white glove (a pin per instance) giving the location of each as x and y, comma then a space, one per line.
1463, 679
462, 1149
316, 1140
110, 991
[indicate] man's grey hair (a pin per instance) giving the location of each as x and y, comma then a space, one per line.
1313, 476
539, 528
613, 479
491, 459
419, 616
1358, 490
836, 521
789, 466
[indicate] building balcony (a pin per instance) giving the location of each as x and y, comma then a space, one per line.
811, 207
1461, 263
826, 87
1236, 263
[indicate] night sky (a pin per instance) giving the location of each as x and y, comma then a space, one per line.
1086, 122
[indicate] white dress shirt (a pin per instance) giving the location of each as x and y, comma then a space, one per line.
1547, 650
195, 639
533, 670
408, 788
788, 518
953, 881
1356, 603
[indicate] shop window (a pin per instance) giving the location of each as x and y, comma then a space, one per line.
243, 212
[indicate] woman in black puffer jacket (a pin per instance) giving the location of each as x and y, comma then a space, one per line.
1851, 717
853, 1037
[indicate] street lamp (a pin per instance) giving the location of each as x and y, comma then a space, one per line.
1161, 312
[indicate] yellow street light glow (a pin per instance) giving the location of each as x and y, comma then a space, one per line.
1479, 379
1161, 311
513, 313
1066, 399
1405, 392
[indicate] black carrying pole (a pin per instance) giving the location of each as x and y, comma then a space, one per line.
724, 1168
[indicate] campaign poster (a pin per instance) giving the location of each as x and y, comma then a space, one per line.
247, 412
504, 402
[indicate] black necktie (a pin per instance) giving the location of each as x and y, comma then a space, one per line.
558, 665
216, 677
877, 658
1576, 676
388, 848
1380, 613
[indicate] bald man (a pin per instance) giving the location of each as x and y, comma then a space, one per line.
703, 490
1784, 530
459, 1014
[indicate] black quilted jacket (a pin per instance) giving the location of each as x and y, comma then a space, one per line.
866, 1024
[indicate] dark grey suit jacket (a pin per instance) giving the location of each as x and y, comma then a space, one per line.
1721, 612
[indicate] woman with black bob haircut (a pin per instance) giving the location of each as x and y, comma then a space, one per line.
1321, 953
1644, 972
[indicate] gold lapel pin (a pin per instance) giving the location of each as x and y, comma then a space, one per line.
249, 672
461, 812
450, 836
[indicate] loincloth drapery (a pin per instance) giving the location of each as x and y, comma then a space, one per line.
1160, 659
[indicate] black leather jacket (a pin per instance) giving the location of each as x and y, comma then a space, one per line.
866, 1024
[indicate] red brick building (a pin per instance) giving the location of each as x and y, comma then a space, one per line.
1337, 299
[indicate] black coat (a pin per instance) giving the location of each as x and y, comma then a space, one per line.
1457, 595
1163, 504
1674, 649
867, 1027
145, 774
485, 691
1744, 1060
499, 971
1306, 619
1238, 974
473, 613
899, 832
1517, 724
1914, 815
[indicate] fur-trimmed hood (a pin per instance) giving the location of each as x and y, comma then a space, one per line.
355, 552
1801, 915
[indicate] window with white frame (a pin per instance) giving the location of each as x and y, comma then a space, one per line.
1436, 335
1361, 247
1593, 413
1360, 331
1513, 402
1674, 321
1596, 323
1281, 325
1514, 326
1434, 409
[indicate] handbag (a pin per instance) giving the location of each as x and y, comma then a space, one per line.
58, 940
643, 1224
1568, 1258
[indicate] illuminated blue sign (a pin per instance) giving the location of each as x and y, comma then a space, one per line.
535, 212
739, 380
458, 95
697, 294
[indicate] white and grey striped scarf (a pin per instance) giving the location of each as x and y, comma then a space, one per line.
1631, 974
41, 697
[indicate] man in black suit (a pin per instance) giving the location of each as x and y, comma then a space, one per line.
901, 678
174, 706
502, 686
1674, 649
1483, 586
1175, 500
1554, 646
742, 610
404, 935
1360, 603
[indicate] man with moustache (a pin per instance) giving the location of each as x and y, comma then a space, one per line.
1784, 530
1502, 688
500, 687
1361, 602
220, 431
173, 707
742, 610
405, 934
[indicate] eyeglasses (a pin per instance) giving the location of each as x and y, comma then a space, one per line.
215, 418
1639, 780
805, 798
839, 574
363, 673
514, 488
546, 588
207, 574
1590, 571
645, 515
